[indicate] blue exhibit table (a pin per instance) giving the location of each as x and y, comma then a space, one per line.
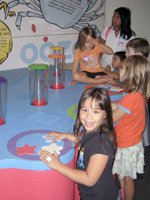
23, 175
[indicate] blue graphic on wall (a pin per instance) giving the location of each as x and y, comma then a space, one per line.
35, 25
65, 14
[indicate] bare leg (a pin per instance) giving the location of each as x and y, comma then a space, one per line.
122, 189
129, 188
82, 77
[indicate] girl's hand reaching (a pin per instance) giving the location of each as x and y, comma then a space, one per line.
73, 82
108, 68
55, 136
52, 160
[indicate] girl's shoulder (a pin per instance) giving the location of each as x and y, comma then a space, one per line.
96, 43
125, 38
94, 138
133, 95
101, 143
133, 98
78, 51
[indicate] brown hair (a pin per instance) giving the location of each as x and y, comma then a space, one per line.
121, 55
83, 35
125, 16
137, 75
139, 45
102, 98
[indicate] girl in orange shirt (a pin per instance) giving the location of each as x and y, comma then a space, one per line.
129, 116
87, 56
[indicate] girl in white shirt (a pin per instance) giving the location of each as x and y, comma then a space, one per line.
118, 34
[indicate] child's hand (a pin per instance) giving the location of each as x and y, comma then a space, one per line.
73, 82
105, 79
105, 70
55, 136
52, 160
108, 68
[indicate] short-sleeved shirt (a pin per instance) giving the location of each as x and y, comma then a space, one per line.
130, 127
105, 188
89, 60
116, 43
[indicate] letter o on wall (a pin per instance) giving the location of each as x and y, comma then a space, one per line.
29, 53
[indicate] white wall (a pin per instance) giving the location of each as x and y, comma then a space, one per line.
33, 45
140, 15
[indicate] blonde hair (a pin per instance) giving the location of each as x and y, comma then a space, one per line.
137, 75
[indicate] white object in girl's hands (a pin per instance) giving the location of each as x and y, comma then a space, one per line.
53, 148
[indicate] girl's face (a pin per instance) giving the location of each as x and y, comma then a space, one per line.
121, 73
116, 62
91, 116
89, 43
116, 20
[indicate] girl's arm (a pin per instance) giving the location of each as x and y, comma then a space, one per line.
114, 106
113, 74
107, 49
118, 113
74, 67
95, 168
74, 71
108, 68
